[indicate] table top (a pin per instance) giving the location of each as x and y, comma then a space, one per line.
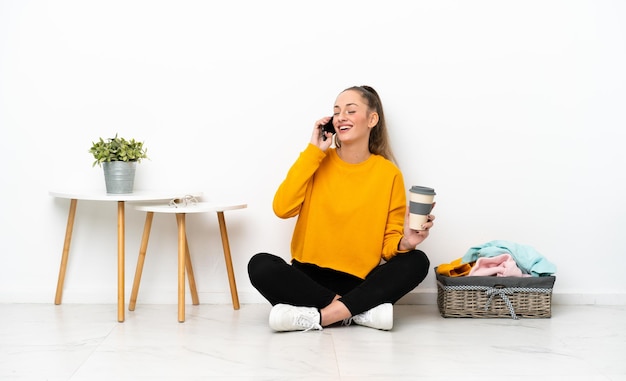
198, 207
137, 195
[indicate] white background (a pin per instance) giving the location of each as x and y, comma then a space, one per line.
512, 110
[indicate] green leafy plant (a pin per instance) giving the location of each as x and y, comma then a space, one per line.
117, 149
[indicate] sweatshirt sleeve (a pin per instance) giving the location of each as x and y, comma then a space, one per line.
291, 192
394, 229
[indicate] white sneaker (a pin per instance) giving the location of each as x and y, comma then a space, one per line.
284, 317
379, 317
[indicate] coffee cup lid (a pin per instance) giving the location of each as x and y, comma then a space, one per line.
423, 190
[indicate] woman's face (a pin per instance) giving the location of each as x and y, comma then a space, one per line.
352, 118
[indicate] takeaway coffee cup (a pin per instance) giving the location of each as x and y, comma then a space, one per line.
420, 205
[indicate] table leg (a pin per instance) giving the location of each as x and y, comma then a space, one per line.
182, 245
192, 279
228, 260
66, 250
140, 260
120, 261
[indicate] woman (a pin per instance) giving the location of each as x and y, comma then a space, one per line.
353, 253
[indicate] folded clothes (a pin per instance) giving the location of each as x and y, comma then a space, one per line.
454, 268
529, 260
500, 265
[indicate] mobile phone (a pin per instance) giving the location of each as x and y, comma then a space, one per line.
328, 127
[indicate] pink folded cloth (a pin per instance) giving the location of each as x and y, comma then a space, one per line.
500, 265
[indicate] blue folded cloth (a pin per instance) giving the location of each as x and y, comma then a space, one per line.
529, 260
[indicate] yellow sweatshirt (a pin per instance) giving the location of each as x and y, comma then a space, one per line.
349, 215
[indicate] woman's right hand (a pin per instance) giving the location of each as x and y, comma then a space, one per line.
317, 138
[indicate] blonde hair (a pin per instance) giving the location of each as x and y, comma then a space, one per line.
379, 138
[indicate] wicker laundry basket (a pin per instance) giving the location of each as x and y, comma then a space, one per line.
495, 297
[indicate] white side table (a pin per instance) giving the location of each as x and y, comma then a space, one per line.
121, 199
184, 259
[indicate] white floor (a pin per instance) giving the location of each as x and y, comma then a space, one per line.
85, 342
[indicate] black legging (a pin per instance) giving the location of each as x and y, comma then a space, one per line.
308, 285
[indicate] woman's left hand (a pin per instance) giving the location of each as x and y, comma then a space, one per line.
412, 237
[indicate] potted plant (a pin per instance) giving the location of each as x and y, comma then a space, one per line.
118, 157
